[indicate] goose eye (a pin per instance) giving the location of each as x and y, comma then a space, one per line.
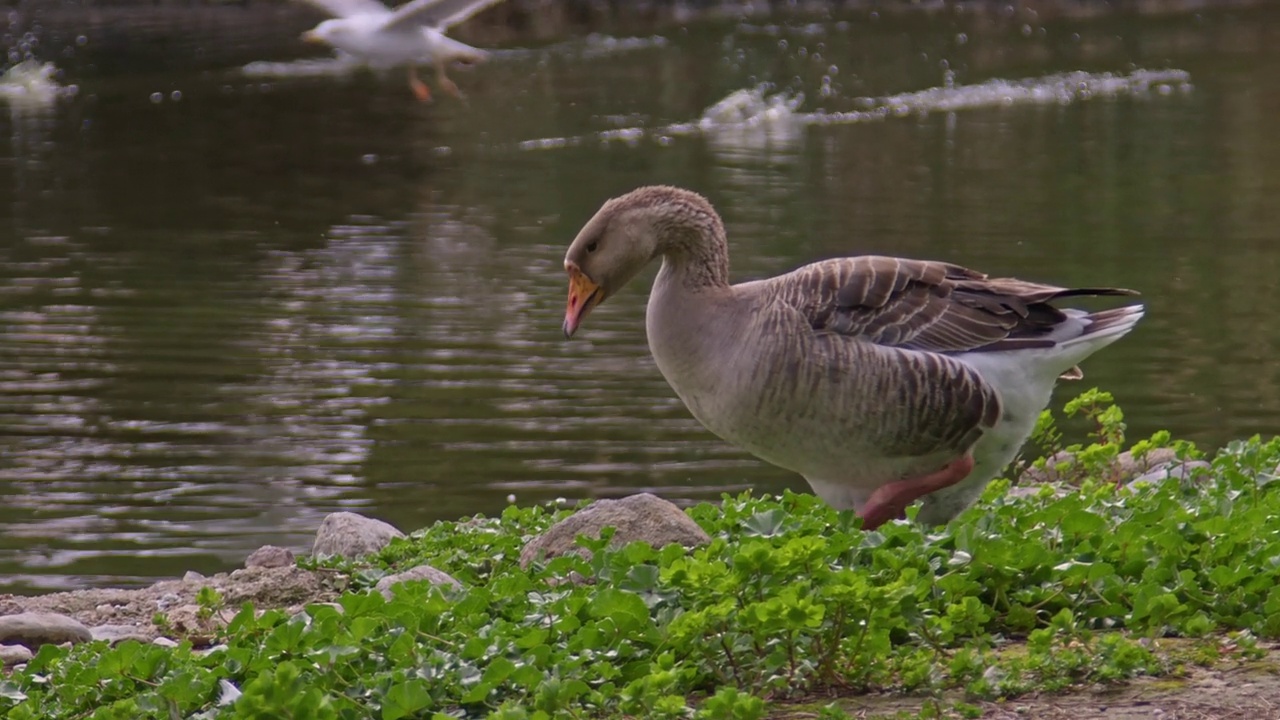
593, 246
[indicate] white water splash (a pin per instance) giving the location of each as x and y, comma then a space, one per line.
751, 122
751, 107
33, 83
753, 119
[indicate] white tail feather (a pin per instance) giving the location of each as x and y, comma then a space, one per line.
1102, 329
1025, 379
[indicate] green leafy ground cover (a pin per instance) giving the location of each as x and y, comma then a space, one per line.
791, 600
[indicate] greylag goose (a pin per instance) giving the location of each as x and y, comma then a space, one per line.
412, 34
881, 380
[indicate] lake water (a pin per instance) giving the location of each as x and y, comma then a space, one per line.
240, 290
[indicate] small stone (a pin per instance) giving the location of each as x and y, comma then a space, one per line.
386, 585
192, 576
114, 634
644, 517
269, 556
165, 642
34, 629
349, 535
105, 609
14, 655
186, 619
168, 600
227, 693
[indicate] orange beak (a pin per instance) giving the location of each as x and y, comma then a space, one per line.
311, 36
583, 295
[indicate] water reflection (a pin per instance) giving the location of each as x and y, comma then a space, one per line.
488, 403
229, 312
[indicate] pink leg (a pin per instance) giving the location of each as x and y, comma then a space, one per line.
446, 84
420, 89
890, 501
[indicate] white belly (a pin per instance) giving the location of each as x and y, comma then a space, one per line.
1025, 390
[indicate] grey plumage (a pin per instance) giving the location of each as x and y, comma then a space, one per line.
854, 372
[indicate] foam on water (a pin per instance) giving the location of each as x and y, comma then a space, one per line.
339, 64
1062, 89
597, 45
753, 118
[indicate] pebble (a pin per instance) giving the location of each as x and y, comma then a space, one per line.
270, 556
14, 655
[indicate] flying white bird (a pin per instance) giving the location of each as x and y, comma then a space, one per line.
412, 34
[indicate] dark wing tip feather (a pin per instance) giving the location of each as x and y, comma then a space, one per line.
1097, 291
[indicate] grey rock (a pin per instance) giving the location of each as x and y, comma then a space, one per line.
34, 629
165, 642
1049, 473
349, 535
192, 575
14, 655
1025, 491
114, 634
1175, 471
1156, 464
288, 588
644, 517
386, 585
270, 556
1128, 466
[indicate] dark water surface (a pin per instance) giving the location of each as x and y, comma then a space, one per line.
228, 312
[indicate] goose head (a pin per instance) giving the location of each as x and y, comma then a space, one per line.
611, 249
628, 232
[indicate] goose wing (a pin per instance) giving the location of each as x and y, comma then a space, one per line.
927, 305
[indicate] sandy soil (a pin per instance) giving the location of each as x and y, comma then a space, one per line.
1234, 690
